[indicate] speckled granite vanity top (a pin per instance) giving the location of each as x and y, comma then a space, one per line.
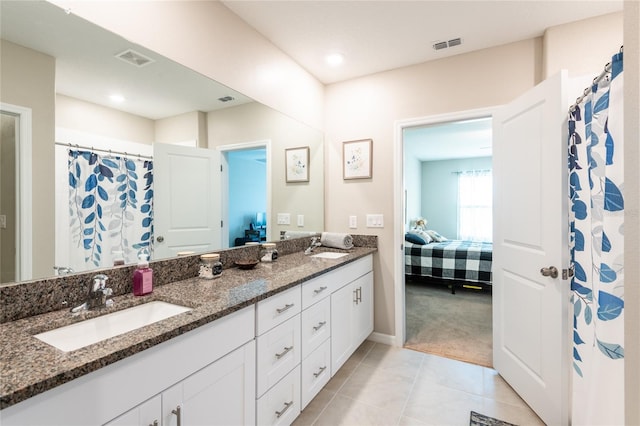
29, 367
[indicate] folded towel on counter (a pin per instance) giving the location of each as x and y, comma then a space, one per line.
336, 240
297, 234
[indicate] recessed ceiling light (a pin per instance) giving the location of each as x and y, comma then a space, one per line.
334, 59
116, 98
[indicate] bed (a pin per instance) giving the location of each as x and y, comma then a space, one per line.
455, 262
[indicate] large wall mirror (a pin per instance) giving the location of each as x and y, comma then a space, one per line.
216, 154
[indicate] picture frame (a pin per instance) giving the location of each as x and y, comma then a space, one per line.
297, 164
357, 159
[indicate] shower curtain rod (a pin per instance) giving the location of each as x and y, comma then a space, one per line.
607, 70
108, 151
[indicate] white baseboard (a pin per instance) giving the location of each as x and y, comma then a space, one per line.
385, 339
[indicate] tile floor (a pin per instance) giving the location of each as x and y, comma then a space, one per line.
383, 385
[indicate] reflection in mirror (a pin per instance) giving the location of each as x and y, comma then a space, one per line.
63, 69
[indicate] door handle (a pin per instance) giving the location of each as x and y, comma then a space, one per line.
551, 271
160, 239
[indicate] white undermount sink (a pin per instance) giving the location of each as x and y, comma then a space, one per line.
85, 333
329, 255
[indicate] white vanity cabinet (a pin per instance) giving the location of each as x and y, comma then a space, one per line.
278, 358
351, 318
125, 391
148, 413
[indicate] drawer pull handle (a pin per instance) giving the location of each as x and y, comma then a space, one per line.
319, 371
320, 290
287, 349
287, 306
155, 423
284, 410
319, 326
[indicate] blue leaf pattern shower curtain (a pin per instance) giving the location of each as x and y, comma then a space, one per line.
597, 248
111, 208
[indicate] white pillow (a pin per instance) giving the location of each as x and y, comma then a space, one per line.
424, 234
435, 236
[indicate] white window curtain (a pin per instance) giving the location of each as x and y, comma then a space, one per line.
475, 205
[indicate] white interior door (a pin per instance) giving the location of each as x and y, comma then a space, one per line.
186, 209
531, 311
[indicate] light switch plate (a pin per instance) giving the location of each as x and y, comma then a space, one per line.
300, 220
353, 222
375, 221
284, 219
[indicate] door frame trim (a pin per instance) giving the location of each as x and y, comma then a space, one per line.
24, 215
224, 182
398, 201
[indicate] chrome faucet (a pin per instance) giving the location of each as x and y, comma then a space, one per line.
315, 242
99, 295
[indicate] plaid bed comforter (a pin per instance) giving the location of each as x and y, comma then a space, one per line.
451, 260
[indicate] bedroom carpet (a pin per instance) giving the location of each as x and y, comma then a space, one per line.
456, 326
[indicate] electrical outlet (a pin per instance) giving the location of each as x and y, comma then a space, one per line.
300, 220
353, 222
284, 219
375, 221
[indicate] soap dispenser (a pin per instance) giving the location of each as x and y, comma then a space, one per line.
143, 275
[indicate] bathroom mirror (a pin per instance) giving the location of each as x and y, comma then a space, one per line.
62, 68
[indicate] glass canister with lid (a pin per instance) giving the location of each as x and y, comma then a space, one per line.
268, 252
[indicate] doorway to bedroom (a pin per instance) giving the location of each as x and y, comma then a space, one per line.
448, 226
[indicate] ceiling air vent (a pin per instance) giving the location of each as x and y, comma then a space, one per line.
440, 45
134, 58
225, 98
445, 44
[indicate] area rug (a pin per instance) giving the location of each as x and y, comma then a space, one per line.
477, 419
456, 326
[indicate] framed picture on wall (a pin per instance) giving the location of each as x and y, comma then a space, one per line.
297, 164
357, 159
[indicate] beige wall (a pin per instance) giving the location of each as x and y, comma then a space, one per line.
236, 55
368, 107
255, 122
191, 126
28, 80
601, 36
95, 119
632, 209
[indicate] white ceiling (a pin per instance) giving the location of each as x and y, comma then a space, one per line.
379, 35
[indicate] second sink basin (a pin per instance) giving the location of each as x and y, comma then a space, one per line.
94, 330
330, 255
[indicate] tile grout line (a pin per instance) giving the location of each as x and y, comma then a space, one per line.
413, 385
338, 390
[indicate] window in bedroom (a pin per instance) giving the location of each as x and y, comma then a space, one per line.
474, 205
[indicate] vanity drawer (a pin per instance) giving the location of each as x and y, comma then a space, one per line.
317, 289
281, 405
276, 309
316, 326
279, 352
315, 372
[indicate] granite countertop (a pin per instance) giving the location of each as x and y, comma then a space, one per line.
29, 366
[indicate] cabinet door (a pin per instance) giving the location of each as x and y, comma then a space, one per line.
146, 414
342, 346
222, 393
363, 308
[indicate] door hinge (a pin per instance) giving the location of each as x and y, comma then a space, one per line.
568, 273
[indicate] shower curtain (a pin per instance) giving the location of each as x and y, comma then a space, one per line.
597, 240
110, 208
